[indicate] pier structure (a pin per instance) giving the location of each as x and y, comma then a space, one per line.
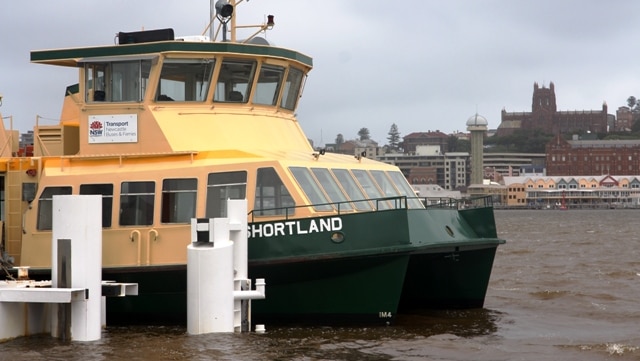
71, 306
218, 289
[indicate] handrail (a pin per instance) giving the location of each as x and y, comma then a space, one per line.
396, 202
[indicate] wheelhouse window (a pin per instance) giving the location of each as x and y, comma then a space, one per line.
268, 87
95, 78
184, 80
272, 197
106, 191
234, 81
292, 88
45, 206
223, 186
136, 203
178, 200
331, 187
118, 81
311, 189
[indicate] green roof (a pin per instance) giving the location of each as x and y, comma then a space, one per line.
70, 57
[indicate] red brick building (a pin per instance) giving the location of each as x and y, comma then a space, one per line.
545, 116
624, 119
592, 157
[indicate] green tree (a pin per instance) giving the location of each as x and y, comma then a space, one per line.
455, 144
363, 134
394, 138
339, 140
521, 141
632, 102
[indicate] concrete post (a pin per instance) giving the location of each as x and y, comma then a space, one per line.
77, 226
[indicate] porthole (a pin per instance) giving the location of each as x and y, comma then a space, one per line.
337, 237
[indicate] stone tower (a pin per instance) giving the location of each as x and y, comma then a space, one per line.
477, 126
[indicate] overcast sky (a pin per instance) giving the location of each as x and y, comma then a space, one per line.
423, 65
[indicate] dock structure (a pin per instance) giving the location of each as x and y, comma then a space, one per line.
218, 289
71, 305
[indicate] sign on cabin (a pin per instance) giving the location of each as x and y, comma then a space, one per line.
121, 128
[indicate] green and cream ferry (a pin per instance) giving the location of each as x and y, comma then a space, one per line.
168, 129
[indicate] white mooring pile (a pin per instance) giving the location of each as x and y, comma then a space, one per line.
218, 289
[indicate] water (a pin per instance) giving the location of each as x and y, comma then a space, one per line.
566, 286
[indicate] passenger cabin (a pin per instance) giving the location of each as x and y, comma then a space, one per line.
169, 130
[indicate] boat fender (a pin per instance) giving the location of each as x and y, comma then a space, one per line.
31, 172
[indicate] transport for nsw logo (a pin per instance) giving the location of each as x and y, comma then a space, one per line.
95, 129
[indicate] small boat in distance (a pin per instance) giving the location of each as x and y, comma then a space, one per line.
168, 129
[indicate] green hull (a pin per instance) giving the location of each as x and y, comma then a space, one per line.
362, 290
389, 261
447, 280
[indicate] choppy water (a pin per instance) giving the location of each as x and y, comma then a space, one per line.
566, 286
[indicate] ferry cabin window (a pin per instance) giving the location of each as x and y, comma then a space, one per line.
332, 189
185, 80
234, 81
179, 200
223, 186
351, 187
124, 81
136, 203
45, 206
311, 189
28, 192
388, 190
272, 197
106, 190
292, 89
268, 87
405, 189
95, 78
370, 189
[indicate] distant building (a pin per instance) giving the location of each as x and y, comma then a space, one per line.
588, 157
624, 120
428, 165
356, 147
510, 164
572, 192
545, 116
411, 141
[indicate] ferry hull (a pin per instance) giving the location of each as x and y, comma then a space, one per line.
415, 259
456, 279
452, 258
349, 290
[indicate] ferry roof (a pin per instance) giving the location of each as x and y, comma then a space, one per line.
72, 56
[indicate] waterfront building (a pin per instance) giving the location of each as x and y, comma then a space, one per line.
585, 157
572, 192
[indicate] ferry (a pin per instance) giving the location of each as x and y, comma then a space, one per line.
167, 129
